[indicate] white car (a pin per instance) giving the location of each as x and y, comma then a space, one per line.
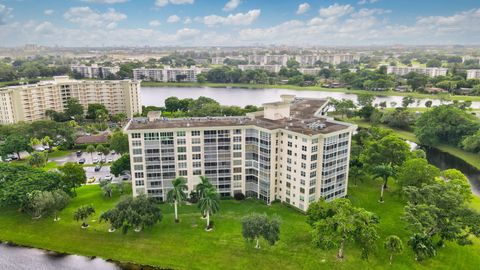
109, 160
95, 160
108, 177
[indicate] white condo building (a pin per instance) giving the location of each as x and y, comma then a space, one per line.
94, 71
334, 59
473, 74
291, 152
430, 72
269, 68
268, 59
168, 74
30, 102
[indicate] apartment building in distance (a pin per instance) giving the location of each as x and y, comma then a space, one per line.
430, 72
168, 74
30, 102
473, 74
268, 68
291, 152
94, 71
334, 59
268, 59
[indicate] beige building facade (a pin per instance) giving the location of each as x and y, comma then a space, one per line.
30, 102
291, 152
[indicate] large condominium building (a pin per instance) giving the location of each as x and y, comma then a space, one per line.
94, 71
431, 72
269, 68
268, 59
168, 74
473, 74
29, 102
291, 151
334, 59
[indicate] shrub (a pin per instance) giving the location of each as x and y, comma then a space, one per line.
239, 196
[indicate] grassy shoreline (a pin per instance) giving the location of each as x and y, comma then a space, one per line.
469, 157
308, 88
187, 246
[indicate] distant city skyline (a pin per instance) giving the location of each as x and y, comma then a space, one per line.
81, 23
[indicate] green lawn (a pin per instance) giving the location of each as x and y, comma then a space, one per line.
187, 246
469, 157
309, 88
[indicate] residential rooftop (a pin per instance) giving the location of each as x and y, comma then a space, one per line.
305, 116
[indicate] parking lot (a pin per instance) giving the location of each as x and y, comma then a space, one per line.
72, 157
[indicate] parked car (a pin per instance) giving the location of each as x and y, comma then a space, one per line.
103, 160
113, 152
109, 160
79, 153
125, 177
95, 160
97, 168
81, 161
108, 177
40, 149
91, 180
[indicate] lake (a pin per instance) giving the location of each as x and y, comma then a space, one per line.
155, 96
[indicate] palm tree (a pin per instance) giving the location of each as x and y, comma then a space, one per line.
177, 194
37, 159
202, 187
393, 244
90, 149
383, 171
209, 204
82, 213
47, 141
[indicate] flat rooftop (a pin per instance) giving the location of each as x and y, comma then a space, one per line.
303, 119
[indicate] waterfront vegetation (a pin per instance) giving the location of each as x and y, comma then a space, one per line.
186, 245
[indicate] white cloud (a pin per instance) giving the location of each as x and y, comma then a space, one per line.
173, 19
363, 2
155, 23
233, 19
162, 3
45, 28
365, 12
5, 12
105, 1
231, 5
87, 17
302, 8
336, 10
48, 12
187, 20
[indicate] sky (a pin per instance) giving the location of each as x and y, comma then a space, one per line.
79, 23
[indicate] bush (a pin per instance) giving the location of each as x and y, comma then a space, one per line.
239, 196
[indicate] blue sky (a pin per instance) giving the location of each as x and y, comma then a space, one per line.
238, 22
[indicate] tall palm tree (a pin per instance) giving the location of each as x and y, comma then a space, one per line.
209, 204
202, 187
177, 194
383, 171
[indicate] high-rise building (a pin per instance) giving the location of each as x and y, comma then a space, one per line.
94, 71
168, 74
30, 102
430, 72
291, 152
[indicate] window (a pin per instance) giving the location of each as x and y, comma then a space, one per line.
311, 191
151, 136
314, 148
182, 157
182, 173
196, 156
136, 143
237, 169
182, 149
136, 135
304, 148
139, 175
197, 164
237, 177
302, 173
304, 166
195, 133
138, 167
313, 166
237, 131
314, 157
304, 157
237, 154
237, 162
302, 190
196, 148
237, 147
137, 159
180, 133
196, 141
137, 151
182, 165
182, 141
289, 144
197, 172
304, 140
289, 152
237, 139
